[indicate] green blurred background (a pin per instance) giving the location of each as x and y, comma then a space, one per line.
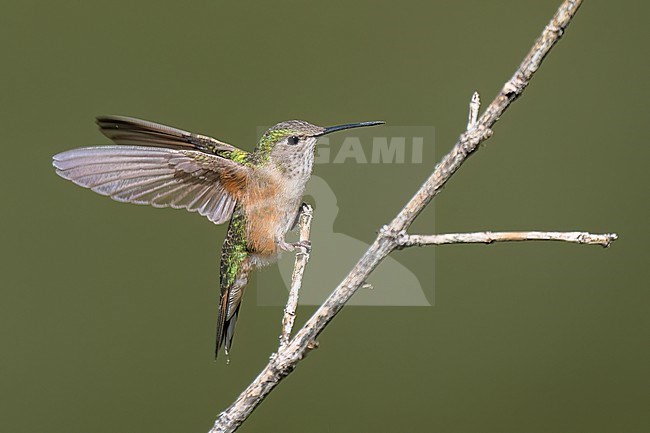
107, 310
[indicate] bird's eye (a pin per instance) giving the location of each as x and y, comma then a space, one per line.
293, 140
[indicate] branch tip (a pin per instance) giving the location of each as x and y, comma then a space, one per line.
474, 108
302, 257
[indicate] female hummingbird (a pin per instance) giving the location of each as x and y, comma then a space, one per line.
259, 192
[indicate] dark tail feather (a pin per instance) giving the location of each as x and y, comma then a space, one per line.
230, 331
234, 269
229, 305
221, 324
225, 332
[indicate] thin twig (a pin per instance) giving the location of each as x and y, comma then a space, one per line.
302, 257
489, 237
474, 107
285, 359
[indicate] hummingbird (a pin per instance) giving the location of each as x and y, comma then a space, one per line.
259, 192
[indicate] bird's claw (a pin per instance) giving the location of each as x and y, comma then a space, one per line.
304, 246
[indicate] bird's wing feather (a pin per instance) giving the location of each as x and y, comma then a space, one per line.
130, 131
162, 177
159, 165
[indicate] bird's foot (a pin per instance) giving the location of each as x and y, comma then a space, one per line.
304, 246
286, 246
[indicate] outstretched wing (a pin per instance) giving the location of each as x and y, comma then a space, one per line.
131, 131
166, 167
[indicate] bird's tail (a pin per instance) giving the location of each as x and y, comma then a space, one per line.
229, 305
235, 268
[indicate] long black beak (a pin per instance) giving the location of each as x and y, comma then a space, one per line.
348, 126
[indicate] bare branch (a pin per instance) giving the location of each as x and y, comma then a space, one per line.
302, 257
489, 237
285, 359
